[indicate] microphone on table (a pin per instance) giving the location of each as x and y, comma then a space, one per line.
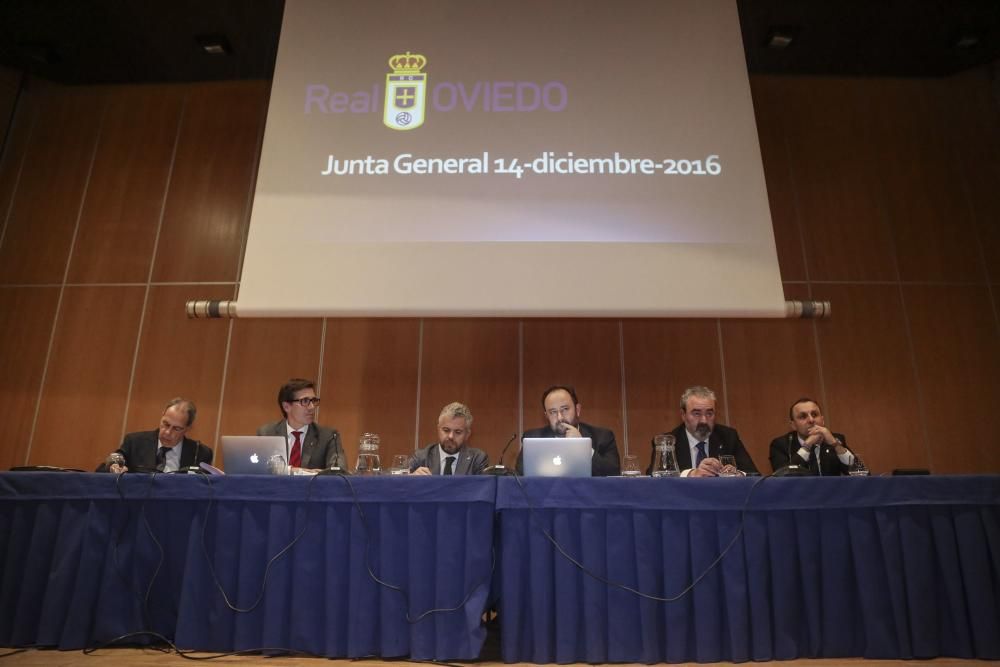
500, 468
791, 469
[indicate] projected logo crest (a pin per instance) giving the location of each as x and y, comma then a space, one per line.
405, 92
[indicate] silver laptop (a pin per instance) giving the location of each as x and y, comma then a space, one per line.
254, 454
557, 457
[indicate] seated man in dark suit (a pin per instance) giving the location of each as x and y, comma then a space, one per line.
158, 451
810, 444
700, 441
450, 455
310, 446
562, 410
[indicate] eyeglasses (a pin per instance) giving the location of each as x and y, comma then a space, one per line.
172, 427
307, 401
557, 412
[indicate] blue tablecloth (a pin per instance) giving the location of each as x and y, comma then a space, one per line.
824, 567
81, 566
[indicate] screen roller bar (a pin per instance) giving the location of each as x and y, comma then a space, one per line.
204, 309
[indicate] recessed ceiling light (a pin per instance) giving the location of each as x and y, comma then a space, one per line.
781, 37
967, 41
215, 45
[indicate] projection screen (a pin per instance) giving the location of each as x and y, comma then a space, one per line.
510, 158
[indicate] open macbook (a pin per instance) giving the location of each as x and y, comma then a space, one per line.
557, 457
254, 454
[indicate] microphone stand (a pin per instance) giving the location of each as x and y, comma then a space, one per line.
499, 468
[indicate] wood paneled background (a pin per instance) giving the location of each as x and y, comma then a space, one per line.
118, 204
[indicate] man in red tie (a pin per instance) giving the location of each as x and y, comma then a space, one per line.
310, 446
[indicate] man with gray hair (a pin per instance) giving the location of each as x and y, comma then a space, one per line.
701, 442
450, 455
158, 450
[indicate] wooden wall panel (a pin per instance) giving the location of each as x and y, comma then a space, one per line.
840, 202
926, 205
662, 359
127, 185
10, 83
474, 362
845, 175
179, 357
86, 384
872, 394
27, 314
14, 152
768, 364
206, 215
46, 205
957, 351
263, 355
370, 381
585, 354
769, 108
968, 106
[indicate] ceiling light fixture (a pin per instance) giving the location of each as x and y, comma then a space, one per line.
967, 41
214, 45
779, 38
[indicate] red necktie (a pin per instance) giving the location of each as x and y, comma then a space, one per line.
295, 458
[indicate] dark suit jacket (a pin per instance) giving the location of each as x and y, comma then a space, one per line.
605, 462
723, 440
471, 461
321, 448
785, 451
139, 450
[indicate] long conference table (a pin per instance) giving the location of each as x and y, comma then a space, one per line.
580, 570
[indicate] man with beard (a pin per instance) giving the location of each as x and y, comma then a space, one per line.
310, 446
562, 410
810, 444
700, 441
450, 455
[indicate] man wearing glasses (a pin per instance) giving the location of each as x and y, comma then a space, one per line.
310, 445
562, 411
158, 451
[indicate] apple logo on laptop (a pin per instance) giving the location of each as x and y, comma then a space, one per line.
557, 461
254, 458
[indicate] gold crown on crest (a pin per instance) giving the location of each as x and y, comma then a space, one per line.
407, 63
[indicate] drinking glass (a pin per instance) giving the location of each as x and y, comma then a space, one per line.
400, 465
630, 466
728, 466
276, 465
858, 468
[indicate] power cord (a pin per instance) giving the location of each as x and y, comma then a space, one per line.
144, 598
400, 589
270, 563
187, 654
164, 641
625, 587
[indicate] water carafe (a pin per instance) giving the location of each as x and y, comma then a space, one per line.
368, 461
665, 456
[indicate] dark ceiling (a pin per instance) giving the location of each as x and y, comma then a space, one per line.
129, 41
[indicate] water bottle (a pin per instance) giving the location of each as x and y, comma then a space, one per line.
665, 456
368, 461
